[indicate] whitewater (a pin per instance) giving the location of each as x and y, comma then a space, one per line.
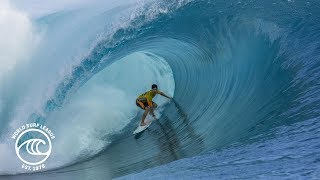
244, 76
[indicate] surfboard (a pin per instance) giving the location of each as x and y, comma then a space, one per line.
142, 128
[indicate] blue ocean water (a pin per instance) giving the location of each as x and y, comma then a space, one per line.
291, 153
243, 74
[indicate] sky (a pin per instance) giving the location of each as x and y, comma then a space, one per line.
36, 8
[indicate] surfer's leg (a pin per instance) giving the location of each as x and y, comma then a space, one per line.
147, 109
152, 109
140, 104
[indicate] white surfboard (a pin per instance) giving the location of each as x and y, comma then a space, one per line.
141, 128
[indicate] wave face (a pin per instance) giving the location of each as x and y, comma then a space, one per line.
237, 70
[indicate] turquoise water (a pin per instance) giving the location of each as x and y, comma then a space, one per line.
243, 74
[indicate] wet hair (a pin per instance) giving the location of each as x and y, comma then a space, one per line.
154, 86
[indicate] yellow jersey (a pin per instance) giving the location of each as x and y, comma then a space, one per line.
148, 96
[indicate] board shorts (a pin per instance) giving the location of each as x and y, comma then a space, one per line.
144, 103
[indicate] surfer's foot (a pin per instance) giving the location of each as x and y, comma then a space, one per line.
143, 124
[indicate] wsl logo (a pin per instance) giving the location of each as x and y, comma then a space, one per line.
33, 145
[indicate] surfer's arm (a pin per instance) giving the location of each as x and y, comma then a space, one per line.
162, 94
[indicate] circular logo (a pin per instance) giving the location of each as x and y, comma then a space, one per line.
33, 151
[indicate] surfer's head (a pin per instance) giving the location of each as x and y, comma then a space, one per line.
154, 87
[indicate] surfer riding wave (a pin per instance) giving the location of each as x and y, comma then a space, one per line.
144, 101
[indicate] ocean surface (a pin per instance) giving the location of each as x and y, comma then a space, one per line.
244, 76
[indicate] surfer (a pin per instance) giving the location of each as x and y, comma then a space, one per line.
144, 101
